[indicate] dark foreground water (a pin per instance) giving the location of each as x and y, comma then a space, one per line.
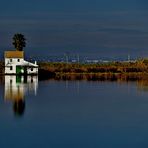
73, 114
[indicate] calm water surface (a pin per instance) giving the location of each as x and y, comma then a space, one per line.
72, 114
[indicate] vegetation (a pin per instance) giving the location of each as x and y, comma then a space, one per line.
100, 71
1, 67
19, 42
115, 67
115, 71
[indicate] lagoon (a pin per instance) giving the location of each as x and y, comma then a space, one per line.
73, 114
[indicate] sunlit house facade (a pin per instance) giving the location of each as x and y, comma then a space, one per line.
15, 64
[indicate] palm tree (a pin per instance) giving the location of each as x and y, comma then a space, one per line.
19, 41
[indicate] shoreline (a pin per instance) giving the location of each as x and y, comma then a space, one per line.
102, 71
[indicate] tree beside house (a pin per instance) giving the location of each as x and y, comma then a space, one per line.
14, 60
19, 41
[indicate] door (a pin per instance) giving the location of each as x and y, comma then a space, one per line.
19, 70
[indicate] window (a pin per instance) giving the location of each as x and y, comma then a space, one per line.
11, 68
31, 69
18, 60
10, 60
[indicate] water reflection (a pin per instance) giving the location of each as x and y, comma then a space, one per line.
16, 87
142, 85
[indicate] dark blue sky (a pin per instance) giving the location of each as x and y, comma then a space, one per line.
95, 28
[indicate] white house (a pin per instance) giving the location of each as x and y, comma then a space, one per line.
15, 64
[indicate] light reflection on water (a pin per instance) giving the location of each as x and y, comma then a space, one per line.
73, 114
16, 87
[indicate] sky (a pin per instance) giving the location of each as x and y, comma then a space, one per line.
91, 28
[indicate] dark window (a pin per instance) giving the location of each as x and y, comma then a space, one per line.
31, 69
18, 60
10, 60
11, 67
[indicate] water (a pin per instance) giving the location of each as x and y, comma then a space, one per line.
73, 114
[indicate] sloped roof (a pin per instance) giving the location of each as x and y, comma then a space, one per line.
26, 63
14, 54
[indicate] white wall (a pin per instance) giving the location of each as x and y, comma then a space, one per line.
8, 71
35, 70
12, 63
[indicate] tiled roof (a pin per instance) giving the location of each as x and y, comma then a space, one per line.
14, 54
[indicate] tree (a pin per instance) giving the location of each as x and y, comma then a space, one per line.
19, 41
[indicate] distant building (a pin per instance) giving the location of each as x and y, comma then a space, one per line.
15, 64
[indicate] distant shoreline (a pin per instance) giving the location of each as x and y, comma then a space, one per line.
114, 71
101, 71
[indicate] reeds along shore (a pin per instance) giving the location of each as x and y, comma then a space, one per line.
101, 71
95, 68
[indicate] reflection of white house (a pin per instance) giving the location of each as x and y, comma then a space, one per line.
17, 86
15, 64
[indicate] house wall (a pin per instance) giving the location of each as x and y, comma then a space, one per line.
32, 70
12, 62
9, 71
